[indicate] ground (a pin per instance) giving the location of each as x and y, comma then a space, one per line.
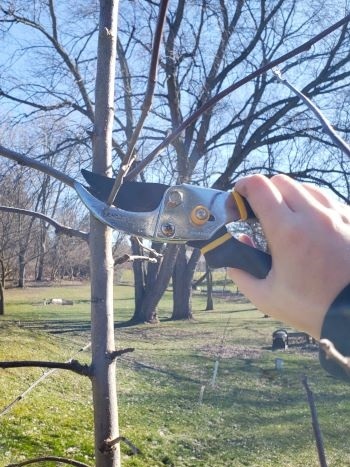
254, 415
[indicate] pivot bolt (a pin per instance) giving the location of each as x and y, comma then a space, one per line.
200, 215
174, 198
168, 229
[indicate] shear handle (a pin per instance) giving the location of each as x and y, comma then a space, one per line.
226, 251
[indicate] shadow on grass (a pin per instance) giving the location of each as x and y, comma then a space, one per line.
60, 326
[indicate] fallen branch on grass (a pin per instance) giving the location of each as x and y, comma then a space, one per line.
73, 365
315, 424
49, 458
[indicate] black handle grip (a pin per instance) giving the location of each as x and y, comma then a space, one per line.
235, 254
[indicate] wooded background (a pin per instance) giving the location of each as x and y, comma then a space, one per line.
72, 89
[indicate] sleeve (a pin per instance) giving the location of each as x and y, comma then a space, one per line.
336, 328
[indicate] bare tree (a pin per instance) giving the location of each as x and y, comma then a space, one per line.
242, 131
205, 47
101, 115
237, 131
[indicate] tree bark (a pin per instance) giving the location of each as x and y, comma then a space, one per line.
156, 282
210, 303
102, 320
2, 288
182, 279
102, 338
182, 291
42, 252
21, 269
139, 281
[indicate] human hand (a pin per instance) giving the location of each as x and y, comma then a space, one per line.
308, 234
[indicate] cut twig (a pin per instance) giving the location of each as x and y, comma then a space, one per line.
315, 424
333, 354
73, 365
62, 460
147, 103
118, 353
215, 99
109, 444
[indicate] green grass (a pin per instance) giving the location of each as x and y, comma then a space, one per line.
254, 416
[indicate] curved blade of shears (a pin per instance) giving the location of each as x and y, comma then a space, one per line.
141, 224
132, 196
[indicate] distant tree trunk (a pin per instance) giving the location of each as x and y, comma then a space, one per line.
199, 281
42, 252
2, 300
139, 284
210, 303
156, 282
182, 291
21, 269
182, 279
2, 287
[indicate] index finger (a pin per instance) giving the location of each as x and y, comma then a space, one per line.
265, 199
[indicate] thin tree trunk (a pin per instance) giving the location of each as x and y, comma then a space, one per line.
2, 300
102, 319
182, 291
182, 284
21, 270
139, 282
102, 338
42, 252
210, 303
2, 288
157, 281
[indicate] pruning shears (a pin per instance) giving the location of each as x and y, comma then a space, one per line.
183, 213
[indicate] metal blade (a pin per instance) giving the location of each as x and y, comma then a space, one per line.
141, 224
183, 213
132, 196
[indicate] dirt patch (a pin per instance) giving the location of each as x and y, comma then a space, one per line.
231, 351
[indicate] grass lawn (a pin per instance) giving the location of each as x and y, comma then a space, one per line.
253, 416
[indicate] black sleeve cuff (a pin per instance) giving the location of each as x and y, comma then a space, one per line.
336, 328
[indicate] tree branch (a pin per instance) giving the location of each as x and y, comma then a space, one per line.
214, 100
129, 258
37, 165
60, 229
129, 157
39, 380
73, 365
73, 68
118, 353
108, 444
48, 459
327, 127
